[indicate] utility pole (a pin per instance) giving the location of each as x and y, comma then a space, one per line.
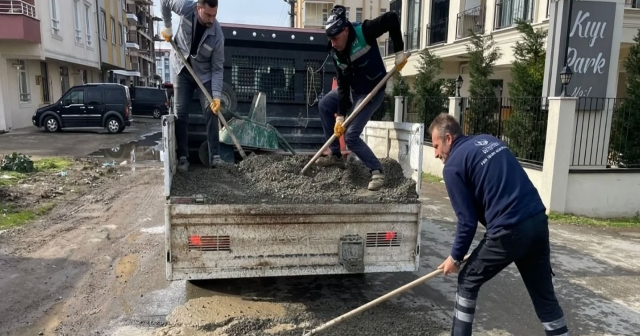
292, 12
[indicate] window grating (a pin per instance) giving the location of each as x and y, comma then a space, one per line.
273, 76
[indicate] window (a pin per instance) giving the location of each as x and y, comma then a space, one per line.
358, 14
113, 31
23, 81
121, 34
383, 10
114, 95
76, 21
55, 17
64, 79
93, 96
73, 97
103, 24
87, 15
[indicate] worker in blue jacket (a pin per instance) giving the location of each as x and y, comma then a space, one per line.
487, 184
355, 53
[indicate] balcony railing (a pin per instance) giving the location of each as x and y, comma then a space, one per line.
388, 47
471, 20
438, 32
509, 11
413, 39
17, 7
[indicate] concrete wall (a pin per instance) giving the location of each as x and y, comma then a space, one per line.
603, 194
535, 176
430, 164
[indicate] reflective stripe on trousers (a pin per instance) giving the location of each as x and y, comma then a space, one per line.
463, 314
556, 328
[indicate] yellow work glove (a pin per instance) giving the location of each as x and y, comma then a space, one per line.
338, 129
401, 60
167, 34
215, 106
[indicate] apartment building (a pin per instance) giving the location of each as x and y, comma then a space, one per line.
113, 22
42, 55
163, 68
443, 26
313, 14
140, 69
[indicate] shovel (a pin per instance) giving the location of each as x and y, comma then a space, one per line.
209, 98
377, 301
354, 114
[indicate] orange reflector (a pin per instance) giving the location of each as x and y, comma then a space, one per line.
195, 240
390, 235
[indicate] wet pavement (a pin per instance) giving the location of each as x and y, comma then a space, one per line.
73, 142
147, 149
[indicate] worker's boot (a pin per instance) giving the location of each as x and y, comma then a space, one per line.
215, 161
331, 161
377, 180
183, 165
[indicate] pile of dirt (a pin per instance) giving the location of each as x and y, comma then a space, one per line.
276, 179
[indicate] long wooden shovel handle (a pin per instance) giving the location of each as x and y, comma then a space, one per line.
377, 301
209, 98
359, 108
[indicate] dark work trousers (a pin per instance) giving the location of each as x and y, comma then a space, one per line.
328, 107
184, 87
526, 244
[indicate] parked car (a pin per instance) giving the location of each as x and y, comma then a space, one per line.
101, 105
149, 101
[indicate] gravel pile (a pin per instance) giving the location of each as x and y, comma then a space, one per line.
276, 179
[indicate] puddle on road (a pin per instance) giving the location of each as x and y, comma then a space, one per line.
126, 267
146, 150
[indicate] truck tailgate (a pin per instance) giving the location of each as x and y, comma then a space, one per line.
233, 241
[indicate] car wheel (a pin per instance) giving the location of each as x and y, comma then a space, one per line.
228, 98
51, 124
157, 113
114, 125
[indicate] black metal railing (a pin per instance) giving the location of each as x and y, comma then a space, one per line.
438, 31
388, 47
508, 12
607, 133
471, 20
413, 39
520, 122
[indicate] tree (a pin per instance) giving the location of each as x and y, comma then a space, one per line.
429, 98
624, 146
526, 128
483, 105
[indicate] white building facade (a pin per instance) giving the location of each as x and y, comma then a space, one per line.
43, 54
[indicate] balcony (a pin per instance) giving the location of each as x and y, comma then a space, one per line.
18, 21
470, 21
316, 13
132, 18
133, 46
437, 32
509, 11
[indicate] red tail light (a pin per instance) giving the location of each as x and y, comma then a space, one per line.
126, 111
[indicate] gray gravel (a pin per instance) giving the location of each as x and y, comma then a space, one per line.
276, 179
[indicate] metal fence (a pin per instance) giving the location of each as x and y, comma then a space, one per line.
607, 133
520, 122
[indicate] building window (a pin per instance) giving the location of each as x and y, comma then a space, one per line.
23, 80
103, 24
55, 17
64, 79
383, 10
358, 14
113, 31
76, 21
121, 34
87, 18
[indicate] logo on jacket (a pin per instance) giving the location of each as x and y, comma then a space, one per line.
481, 142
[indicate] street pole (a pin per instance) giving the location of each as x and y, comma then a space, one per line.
292, 12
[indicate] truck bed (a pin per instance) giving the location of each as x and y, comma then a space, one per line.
291, 231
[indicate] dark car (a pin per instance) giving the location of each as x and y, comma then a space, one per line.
101, 105
149, 101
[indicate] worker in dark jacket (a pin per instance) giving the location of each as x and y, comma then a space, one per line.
355, 53
487, 184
